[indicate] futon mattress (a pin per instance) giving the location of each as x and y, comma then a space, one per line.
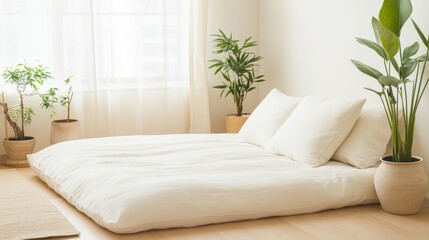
135, 183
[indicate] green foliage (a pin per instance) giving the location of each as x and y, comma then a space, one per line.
65, 100
370, 71
421, 35
236, 65
386, 38
51, 98
400, 95
394, 14
27, 80
15, 114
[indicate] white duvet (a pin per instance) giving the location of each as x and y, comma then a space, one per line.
136, 183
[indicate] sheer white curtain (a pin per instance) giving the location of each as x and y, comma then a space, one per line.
138, 66
199, 101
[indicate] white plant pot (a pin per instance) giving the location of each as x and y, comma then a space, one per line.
401, 186
61, 130
17, 151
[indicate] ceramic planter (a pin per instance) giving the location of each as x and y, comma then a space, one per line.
17, 151
61, 130
401, 186
234, 122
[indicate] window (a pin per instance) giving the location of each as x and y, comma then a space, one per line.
115, 44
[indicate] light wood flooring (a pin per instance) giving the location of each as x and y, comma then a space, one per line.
362, 222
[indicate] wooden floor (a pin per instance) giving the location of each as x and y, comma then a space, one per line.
362, 222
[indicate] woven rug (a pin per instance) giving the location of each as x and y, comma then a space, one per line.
25, 213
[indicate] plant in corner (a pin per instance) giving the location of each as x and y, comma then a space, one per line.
401, 182
236, 64
27, 81
62, 129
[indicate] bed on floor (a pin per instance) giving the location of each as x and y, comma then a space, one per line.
281, 163
136, 183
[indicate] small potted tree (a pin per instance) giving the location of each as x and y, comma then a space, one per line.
27, 81
400, 181
236, 64
62, 129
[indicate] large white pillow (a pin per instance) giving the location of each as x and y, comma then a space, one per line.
266, 119
368, 139
315, 130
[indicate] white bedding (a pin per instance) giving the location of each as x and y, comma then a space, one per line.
136, 183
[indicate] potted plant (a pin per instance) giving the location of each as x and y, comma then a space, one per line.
236, 64
27, 81
62, 129
400, 181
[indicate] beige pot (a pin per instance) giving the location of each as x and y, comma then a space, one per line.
401, 186
61, 130
17, 151
234, 122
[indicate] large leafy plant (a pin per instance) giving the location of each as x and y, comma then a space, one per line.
236, 65
27, 81
402, 81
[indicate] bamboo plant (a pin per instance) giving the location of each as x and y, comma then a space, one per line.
236, 64
402, 80
27, 81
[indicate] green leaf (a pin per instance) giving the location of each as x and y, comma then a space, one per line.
372, 72
388, 81
386, 37
422, 58
220, 86
422, 36
405, 80
374, 46
408, 67
226, 76
392, 98
395, 64
250, 89
394, 13
218, 70
376, 92
221, 93
410, 51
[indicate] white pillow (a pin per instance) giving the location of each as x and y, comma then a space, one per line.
368, 139
266, 119
315, 130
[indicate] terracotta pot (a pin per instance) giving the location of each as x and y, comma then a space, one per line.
61, 130
17, 151
401, 186
234, 122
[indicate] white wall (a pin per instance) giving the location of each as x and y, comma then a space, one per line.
308, 45
241, 18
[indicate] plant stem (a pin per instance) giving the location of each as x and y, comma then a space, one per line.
239, 108
22, 117
69, 107
420, 94
18, 132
